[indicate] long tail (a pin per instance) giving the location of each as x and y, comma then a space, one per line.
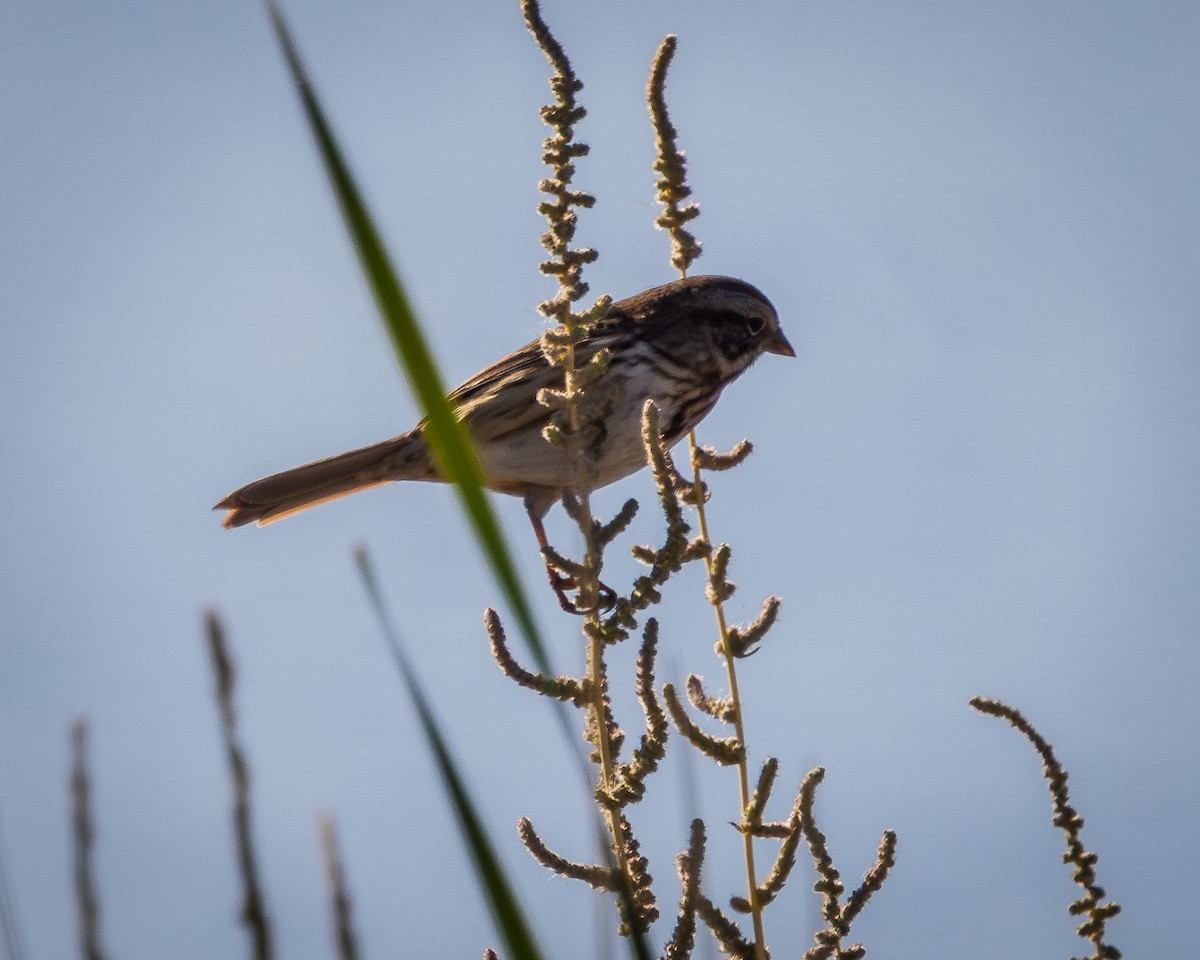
282, 494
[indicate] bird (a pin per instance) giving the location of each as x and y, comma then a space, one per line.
679, 344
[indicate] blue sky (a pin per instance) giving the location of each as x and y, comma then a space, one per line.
978, 223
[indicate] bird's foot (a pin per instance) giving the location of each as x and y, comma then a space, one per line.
561, 584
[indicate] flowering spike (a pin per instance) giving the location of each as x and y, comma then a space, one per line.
724, 750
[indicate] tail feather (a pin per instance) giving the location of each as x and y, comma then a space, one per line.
282, 494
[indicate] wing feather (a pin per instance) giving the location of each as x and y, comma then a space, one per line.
501, 399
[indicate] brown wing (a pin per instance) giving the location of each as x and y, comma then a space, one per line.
502, 399
525, 361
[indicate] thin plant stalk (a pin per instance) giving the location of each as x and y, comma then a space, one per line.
673, 190
752, 897
254, 916
597, 677
566, 264
344, 940
81, 817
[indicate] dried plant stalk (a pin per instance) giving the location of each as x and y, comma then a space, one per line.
708, 458
689, 866
564, 688
637, 869
743, 641
345, 943
1067, 818
685, 248
86, 897
752, 818
828, 942
567, 406
719, 708
727, 933
671, 165
785, 860
884, 861
254, 910
631, 779
723, 750
600, 877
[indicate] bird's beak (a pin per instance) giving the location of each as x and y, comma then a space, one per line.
778, 343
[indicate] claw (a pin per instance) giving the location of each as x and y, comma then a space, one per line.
560, 583
608, 596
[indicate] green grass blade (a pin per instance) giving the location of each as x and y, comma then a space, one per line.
447, 437
506, 911
456, 459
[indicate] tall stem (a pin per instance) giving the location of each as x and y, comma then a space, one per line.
597, 681
760, 948
597, 671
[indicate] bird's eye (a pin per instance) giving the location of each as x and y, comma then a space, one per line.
755, 325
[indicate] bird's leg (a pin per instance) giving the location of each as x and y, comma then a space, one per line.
559, 582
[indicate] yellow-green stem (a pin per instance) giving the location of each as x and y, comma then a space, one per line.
596, 676
589, 592
760, 948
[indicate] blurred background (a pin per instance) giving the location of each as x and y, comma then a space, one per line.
978, 223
